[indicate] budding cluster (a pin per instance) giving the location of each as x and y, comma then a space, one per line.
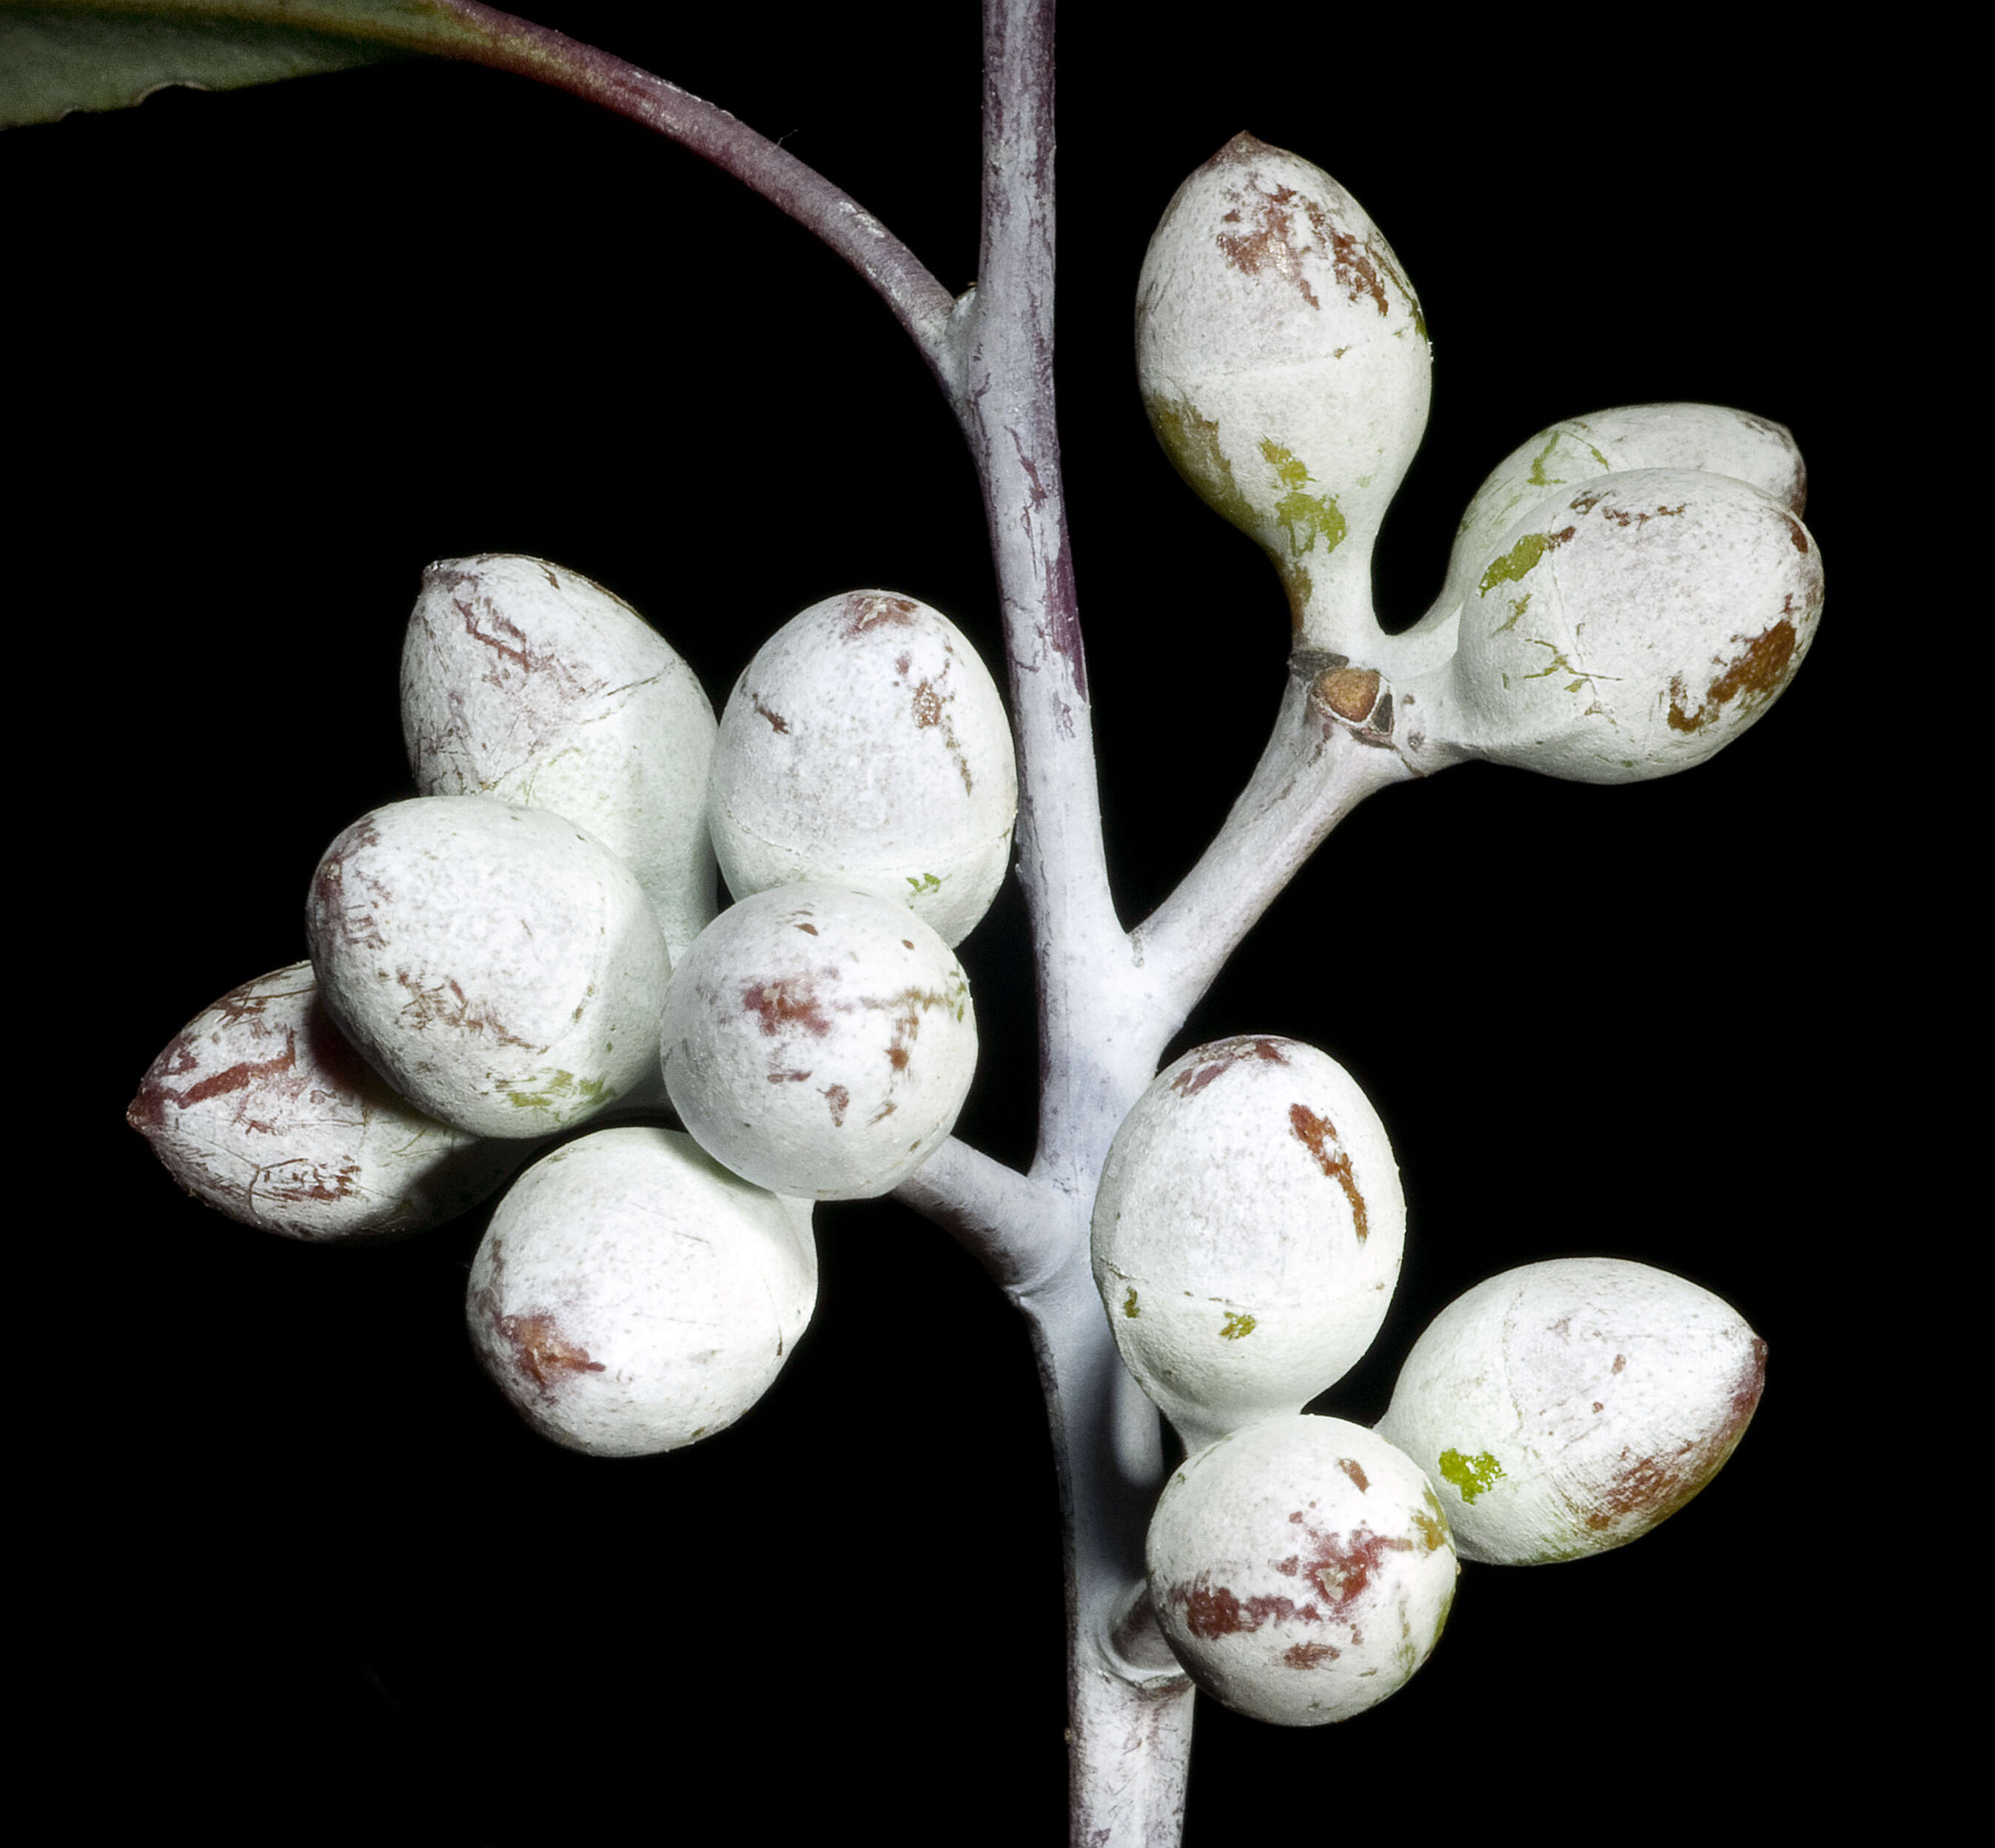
532, 941
1627, 593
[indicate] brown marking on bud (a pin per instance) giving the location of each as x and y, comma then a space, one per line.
239, 1005
809, 930
931, 709
240, 1076
1650, 1490
521, 654
537, 1347
1343, 1564
881, 1115
909, 1006
1753, 677
1276, 244
445, 1004
1350, 692
1222, 1056
335, 896
1625, 516
839, 1099
777, 721
907, 943
865, 612
1318, 1135
1242, 149
147, 1111
1213, 1611
1598, 1407
1799, 533
300, 1182
788, 1077
1355, 1470
1309, 1655
791, 1001
1272, 246
1620, 1361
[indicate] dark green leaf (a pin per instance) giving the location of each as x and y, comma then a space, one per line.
111, 54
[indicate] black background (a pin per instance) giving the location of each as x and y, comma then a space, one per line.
285, 346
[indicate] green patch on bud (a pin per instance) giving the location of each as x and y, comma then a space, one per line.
1432, 1525
927, 883
1306, 518
1239, 1325
1192, 442
564, 1094
1538, 477
1516, 610
1129, 1304
1471, 1475
1518, 559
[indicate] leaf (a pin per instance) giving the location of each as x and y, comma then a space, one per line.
110, 54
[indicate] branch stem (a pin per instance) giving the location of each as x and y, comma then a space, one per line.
1319, 764
1003, 1220
503, 41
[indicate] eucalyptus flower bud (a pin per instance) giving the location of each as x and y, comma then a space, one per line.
1284, 363
502, 969
1248, 1232
866, 746
818, 1042
1564, 1408
525, 681
259, 1107
1626, 627
631, 1296
1300, 1569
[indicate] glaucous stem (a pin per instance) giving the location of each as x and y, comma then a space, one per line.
1332, 745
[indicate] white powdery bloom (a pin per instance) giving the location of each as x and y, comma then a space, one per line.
259, 1107
1300, 1569
631, 1296
1627, 626
820, 1042
1708, 438
1248, 1232
502, 969
526, 682
866, 746
1284, 362
1566, 1408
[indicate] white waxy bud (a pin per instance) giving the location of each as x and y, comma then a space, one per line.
631, 1296
1300, 1569
525, 681
820, 1042
1627, 626
500, 967
866, 746
1284, 362
1577, 451
259, 1107
1566, 1408
1247, 1232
